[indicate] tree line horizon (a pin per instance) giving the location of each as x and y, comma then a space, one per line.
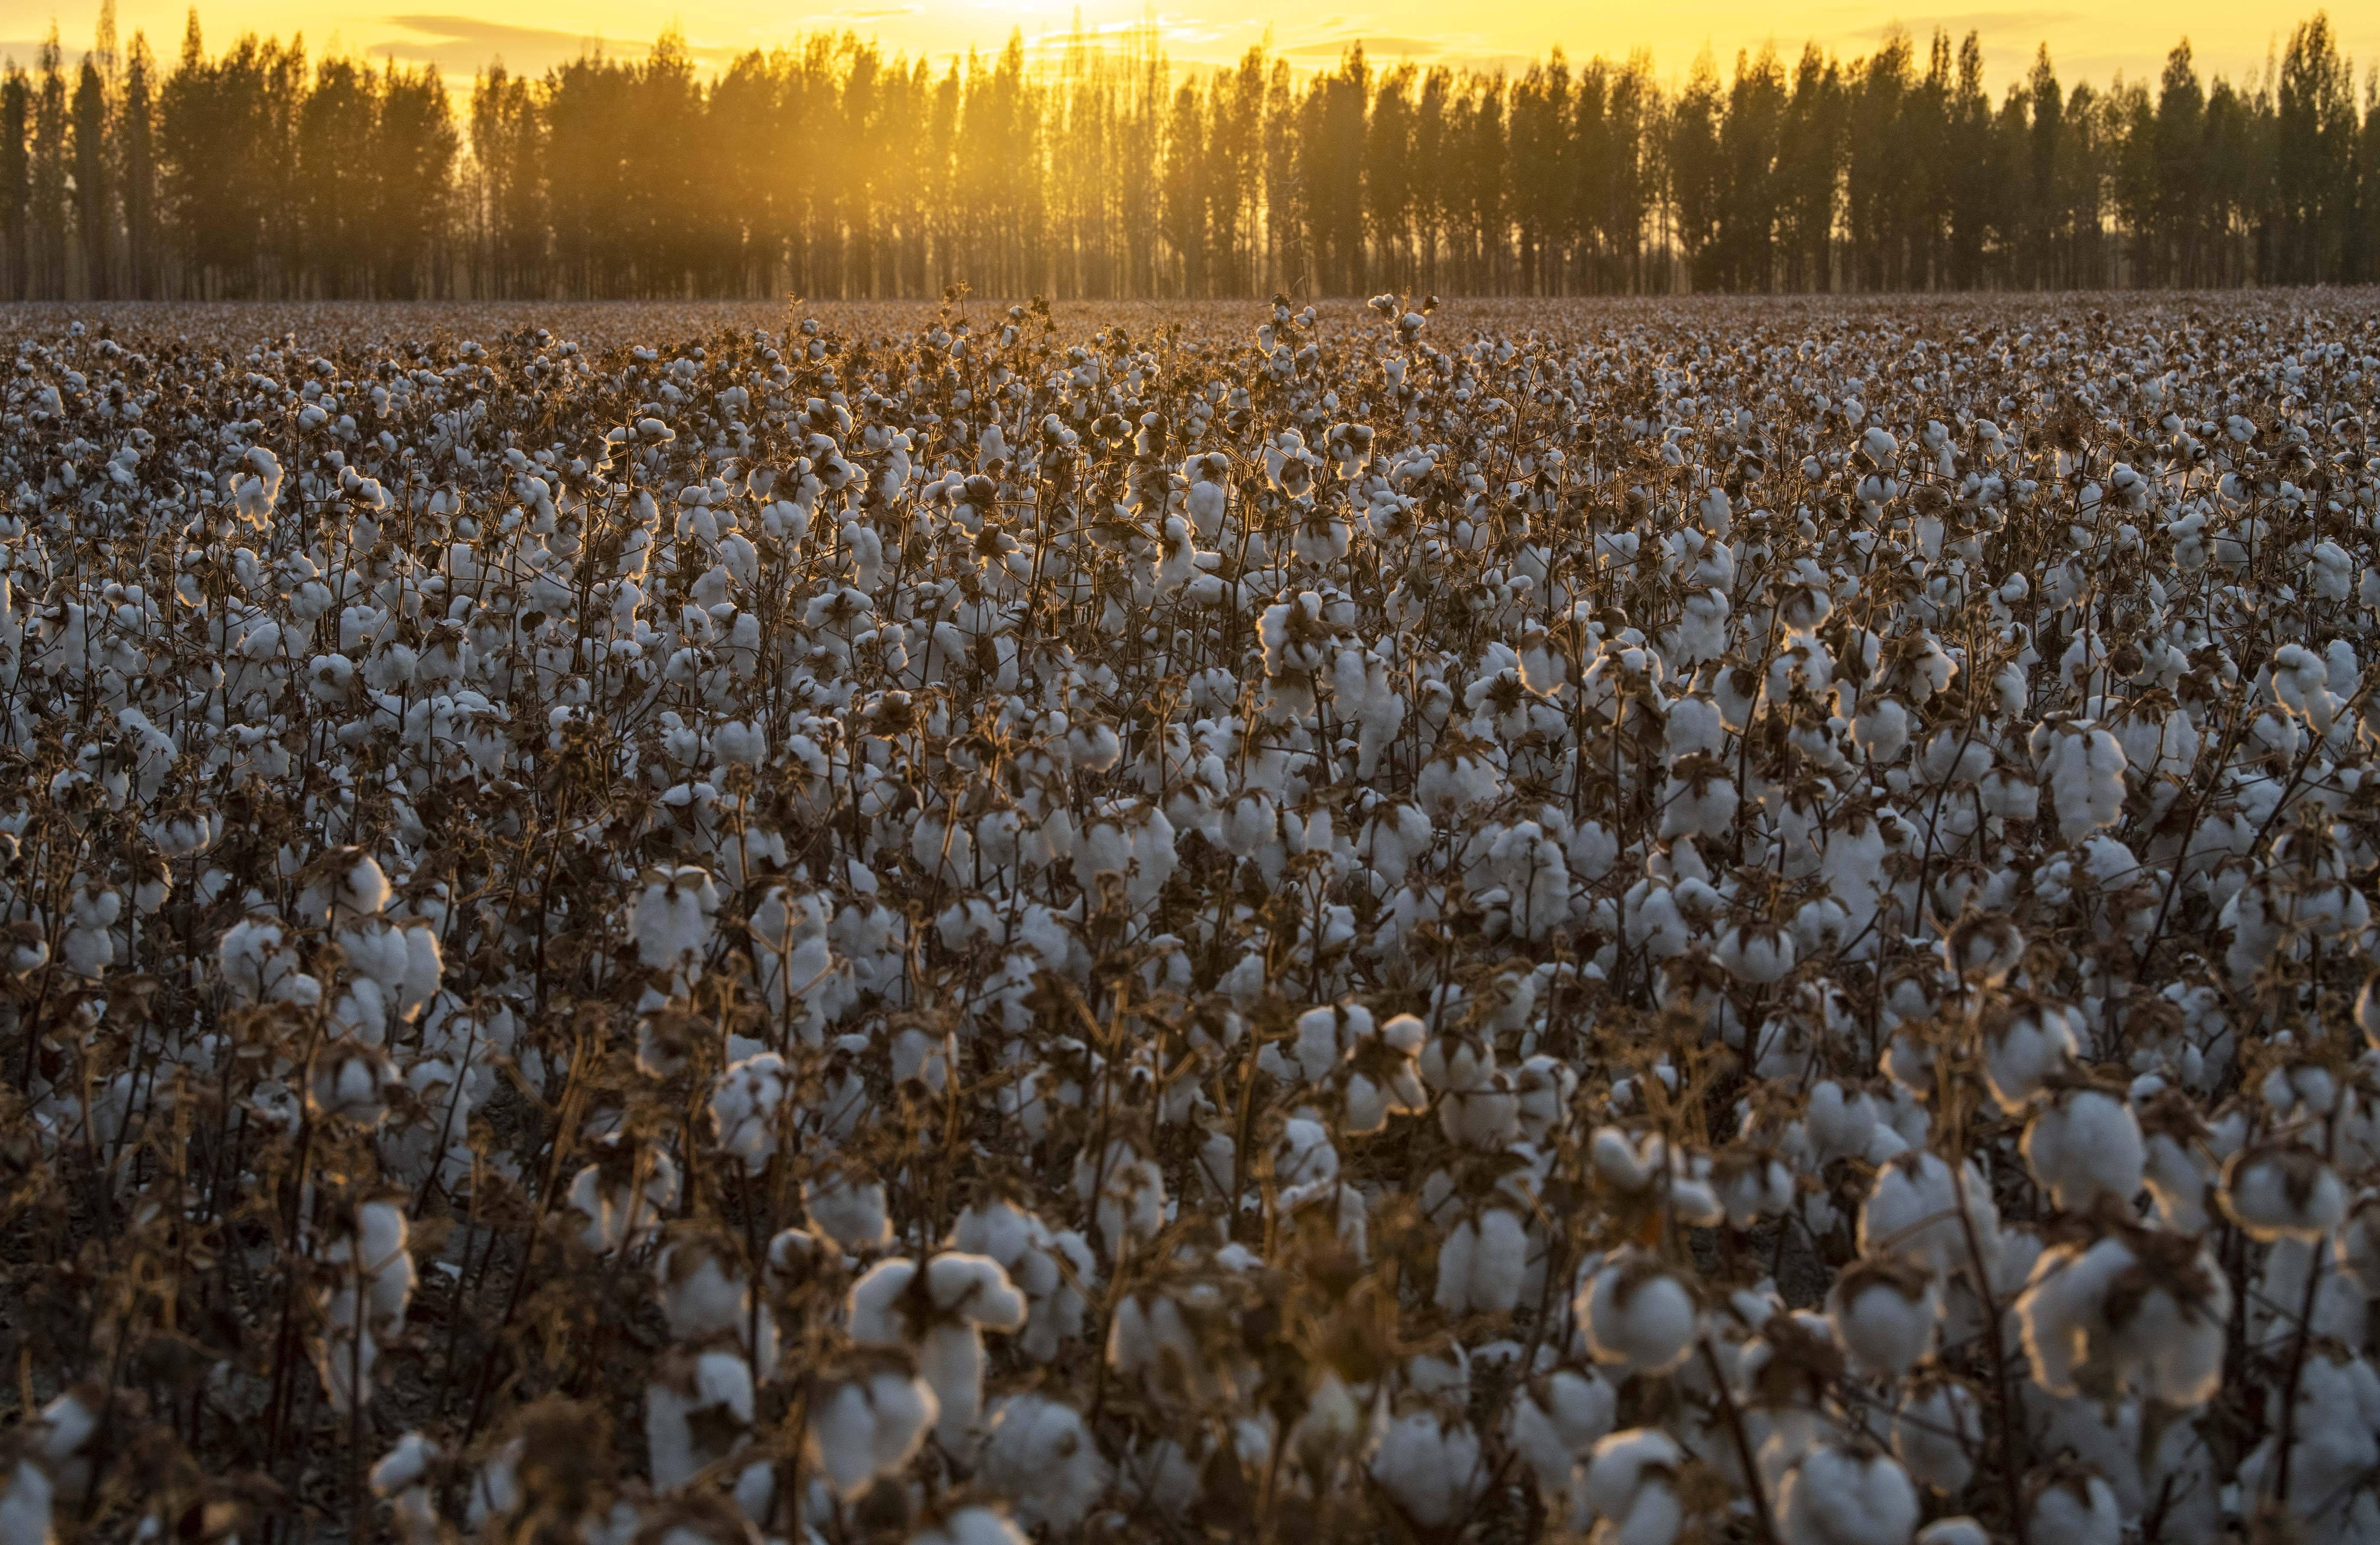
827, 169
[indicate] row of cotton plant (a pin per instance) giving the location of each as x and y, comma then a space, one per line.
1649, 927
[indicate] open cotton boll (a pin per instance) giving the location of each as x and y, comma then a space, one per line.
704, 1287
1919, 1210
672, 923
2082, 1144
698, 1411
2357, 1244
1040, 1454
25, 1498
1937, 1431
746, 1103
2282, 1191
1381, 1074
2025, 1046
1432, 1467
1756, 953
1846, 1496
1483, 1263
2082, 766
2139, 1307
1555, 1422
868, 1422
1883, 1310
941, 1313
1631, 1488
1960, 1530
971, 1526
1638, 1313
849, 1209
2334, 1444
2074, 1505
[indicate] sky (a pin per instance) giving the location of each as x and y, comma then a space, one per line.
2091, 41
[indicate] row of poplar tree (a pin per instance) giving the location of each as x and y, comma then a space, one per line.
828, 169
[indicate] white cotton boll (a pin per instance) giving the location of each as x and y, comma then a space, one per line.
971, 1526
703, 1287
1482, 1264
744, 1104
2357, 1245
2084, 1143
1631, 1488
25, 1506
2335, 1444
1846, 1496
1960, 1530
1755, 953
698, 1411
1431, 1468
2145, 1310
2282, 1191
1638, 1313
850, 1209
1937, 1431
2024, 1048
2072, 1505
672, 923
2083, 767
1382, 1075
1038, 1452
1881, 730
963, 1297
1913, 1210
868, 1425
1883, 1310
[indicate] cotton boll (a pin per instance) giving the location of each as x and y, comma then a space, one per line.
2024, 1047
1960, 1530
746, 1103
1631, 1488
2084, 768
1637, 1313
1382, 1074
1883, 1310
971, 1526
1431, 1468
2084, 1144
1937, 1432
1846, 1496
1482, 1264
1755, 953
2282, 1191
850, 1209
942, 1315
1040, 1454
26, 1501
698, 1411
868, 1422
1919, 1210
673, 920
2357, 1244
2071, 1503
2144, 1309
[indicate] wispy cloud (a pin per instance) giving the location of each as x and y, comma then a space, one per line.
459, 44
1374, 43
1991, 24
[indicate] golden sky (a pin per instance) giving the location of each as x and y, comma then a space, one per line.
2089, 41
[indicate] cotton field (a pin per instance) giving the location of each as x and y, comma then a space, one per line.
1410, 923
